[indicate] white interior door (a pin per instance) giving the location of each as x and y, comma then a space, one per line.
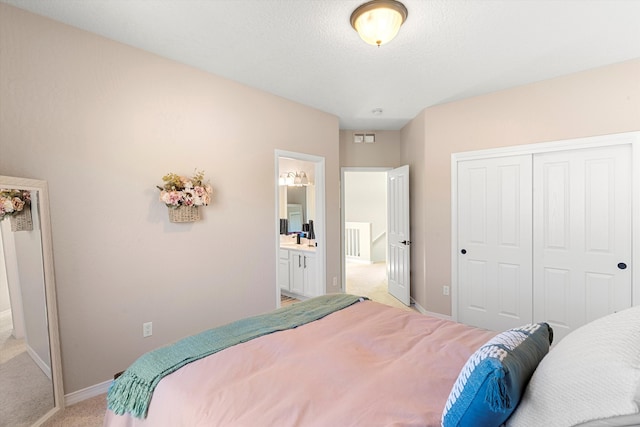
582, 228
494, 242
398, 229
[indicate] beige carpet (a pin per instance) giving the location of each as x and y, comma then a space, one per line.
26, 394
370, 280
88, 413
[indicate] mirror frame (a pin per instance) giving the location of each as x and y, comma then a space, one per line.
49, 284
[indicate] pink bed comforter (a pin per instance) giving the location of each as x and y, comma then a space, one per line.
366, 365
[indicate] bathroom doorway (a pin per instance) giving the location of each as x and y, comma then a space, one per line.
300, 226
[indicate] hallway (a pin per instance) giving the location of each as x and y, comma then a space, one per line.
370, 280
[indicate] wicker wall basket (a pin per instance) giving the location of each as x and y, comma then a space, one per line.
22, 220
184, 214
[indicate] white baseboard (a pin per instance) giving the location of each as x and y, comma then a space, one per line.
429, 313
46, 369
87, 393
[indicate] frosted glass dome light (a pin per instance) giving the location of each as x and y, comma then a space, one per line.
378, 21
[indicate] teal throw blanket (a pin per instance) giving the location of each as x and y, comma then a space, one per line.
132, 391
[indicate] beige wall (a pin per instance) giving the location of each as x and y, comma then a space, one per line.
385, 152
102, 123
595, 102
412, 154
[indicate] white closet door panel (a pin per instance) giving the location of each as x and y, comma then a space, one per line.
494, 220
602, 295
582, 225
476, 196
556, 208
509, 291
477, 273
556, 297
509, 206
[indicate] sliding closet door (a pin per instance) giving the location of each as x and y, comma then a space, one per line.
582, 229
494, 242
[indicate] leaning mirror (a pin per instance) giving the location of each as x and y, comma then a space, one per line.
30, 366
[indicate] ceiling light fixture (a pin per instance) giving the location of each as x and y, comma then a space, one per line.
378, 21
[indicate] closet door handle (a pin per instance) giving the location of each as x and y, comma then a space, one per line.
464, 251
622, 266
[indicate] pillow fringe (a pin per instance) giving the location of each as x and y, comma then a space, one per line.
497, 395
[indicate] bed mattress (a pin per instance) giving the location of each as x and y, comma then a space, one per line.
368, 364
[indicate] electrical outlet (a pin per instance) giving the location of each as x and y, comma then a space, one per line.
335, 282
147, 329
445, 290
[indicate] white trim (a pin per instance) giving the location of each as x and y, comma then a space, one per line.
87, 393
631, 138
422, 310
551, 146
453, 287
38, 361
49, 281
634, 140
320, 223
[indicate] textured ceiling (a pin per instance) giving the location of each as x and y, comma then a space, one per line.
306, 50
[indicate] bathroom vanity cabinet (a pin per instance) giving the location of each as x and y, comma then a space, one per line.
298, 271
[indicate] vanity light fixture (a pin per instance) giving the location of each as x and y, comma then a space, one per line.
292, 179
300, 179
286, 178
378, 21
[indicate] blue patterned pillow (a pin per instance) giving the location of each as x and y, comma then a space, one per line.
492, 381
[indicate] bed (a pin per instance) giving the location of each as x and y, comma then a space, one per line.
368, 364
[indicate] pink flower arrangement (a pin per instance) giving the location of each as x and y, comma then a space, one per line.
185, 191
13, 201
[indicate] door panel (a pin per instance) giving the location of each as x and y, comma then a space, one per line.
398, 247
582, 224
508, 290
494, 232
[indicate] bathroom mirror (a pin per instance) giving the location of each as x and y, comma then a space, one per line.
297, 202
30, 365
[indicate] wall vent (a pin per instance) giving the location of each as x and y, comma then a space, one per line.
367, 138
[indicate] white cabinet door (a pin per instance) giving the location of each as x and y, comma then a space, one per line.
296, 269
494, 242
582, 229
283, 269
309, 264
283, 274
302, 277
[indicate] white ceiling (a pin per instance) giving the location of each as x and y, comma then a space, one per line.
306, 50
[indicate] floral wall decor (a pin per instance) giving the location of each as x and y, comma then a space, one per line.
183, 195
16, 204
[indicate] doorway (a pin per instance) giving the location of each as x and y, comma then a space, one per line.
300, 226
364, 220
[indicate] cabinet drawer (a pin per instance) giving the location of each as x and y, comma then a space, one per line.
284, 254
